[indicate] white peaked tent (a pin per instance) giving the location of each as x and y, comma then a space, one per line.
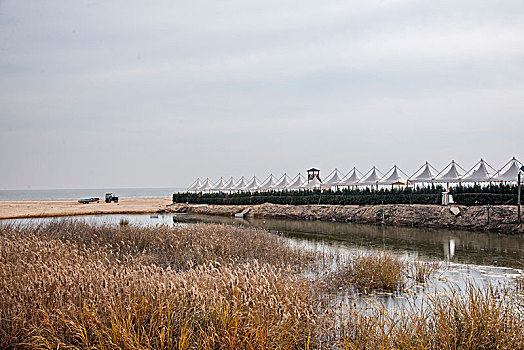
425, 176
282, 184
478, 175
206, 186
219, 185
351, 180
452, 175
241, 185
297, 184
315, 183
269, 184
511, 174
230, 185
196, 185
395, 178
334, 180
253, 185
372, 179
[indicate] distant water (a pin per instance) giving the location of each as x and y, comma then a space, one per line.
24, 195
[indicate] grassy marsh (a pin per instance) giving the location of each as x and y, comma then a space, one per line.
72, 285
368, 273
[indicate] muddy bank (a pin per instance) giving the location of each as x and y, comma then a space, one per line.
501, 218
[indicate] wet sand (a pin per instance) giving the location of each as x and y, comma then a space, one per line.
38, 209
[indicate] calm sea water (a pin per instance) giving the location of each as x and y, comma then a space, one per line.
24, 195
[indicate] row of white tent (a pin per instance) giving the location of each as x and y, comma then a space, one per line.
452, 173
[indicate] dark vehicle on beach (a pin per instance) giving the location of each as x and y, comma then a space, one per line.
110, 198
89, 200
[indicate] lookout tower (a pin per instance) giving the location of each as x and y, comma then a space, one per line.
312, 173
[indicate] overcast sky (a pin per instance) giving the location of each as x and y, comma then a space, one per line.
98, 94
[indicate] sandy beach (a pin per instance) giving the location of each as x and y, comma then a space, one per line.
36, 209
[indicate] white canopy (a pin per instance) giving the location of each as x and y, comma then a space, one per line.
206, 186
253, 185
452, 175
241, 185
394, 178
511, 174
297, 184
480, 174
195, 186
351, 180
315, 183
269, 184
334, 180
230, 185
425, 176
372, 179
219, 186
282, 184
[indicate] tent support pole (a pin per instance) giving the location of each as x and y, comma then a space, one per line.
518, 199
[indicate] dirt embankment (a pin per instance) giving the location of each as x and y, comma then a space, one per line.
501, 218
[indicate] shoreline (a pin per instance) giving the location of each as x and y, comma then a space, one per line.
502, 218
52, 208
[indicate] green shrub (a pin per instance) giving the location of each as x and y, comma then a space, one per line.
473, 195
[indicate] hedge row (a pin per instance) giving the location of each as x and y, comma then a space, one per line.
484, 198
313, 199
476, 195
491, 189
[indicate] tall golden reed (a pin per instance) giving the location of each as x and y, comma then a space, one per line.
72, 285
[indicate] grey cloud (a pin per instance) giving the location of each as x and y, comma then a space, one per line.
215, 88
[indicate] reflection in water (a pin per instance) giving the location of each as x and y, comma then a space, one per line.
479, 248
449, 248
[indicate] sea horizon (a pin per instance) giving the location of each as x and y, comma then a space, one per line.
77, 193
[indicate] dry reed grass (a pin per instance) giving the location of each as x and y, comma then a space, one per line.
249, 307
370, 273
71, 285
180, 247
423, 271
474, 319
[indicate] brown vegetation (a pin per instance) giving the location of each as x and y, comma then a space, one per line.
366, 273
423, 271
475, 319
71, 285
